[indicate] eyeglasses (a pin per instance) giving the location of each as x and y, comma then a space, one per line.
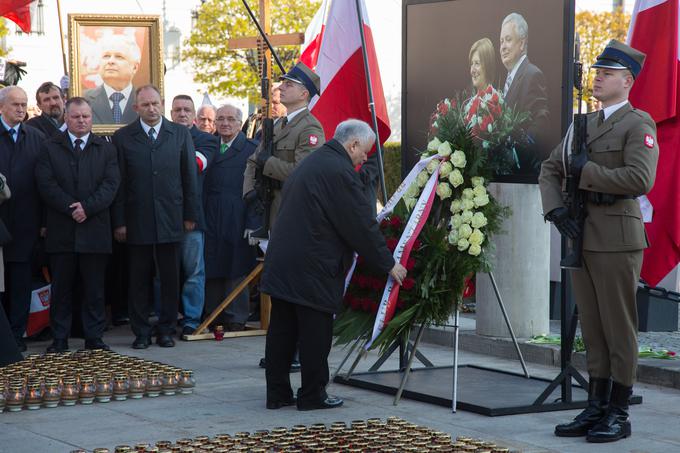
229, 119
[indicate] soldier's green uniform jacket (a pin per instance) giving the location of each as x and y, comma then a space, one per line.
292, 143
622, 154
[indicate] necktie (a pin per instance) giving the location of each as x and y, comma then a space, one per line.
13, 134
152, 134
284, 121
117, 112
508, 82
600, 117
223, 148
78, 145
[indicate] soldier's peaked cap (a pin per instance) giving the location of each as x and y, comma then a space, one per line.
301, 73
618, 55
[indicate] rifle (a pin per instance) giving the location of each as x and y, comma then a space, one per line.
264, 185
575, 198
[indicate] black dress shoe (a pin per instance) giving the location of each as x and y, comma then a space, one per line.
21, 345
615, 424
120, 320
186, 330
96, 343
141, 343
58, 345
272, 404
165, 341
330, 402
598, 401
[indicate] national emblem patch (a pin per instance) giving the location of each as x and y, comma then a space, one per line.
649, 141
313, 139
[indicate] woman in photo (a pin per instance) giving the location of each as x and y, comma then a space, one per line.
482, 64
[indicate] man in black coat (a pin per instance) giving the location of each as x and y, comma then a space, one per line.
193, 262
19, 148
525, 90
78, 177
50, 99
156, 203
325, 216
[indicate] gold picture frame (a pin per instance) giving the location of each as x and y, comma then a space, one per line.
111, 55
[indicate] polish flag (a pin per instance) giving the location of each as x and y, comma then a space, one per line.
654, 31
313, 37
344, 92
18, 11
39, 313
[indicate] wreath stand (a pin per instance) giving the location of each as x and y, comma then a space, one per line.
426, 387
201, 332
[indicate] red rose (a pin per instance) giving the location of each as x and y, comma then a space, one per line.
495, 98
489, 89
392, 244
475, 104
363, 281
442, 108
384, 223
671, 353
366, 304
395, 221
417, 244
374, 306
453, 103
408, 283
410, 263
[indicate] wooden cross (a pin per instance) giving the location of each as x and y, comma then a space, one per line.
256, 42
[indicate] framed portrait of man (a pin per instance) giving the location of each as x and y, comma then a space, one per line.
111, 56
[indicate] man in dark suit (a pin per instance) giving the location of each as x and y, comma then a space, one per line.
156, 203
50, 99
21, 214
193, 262
324, 217
228, 256
113, 101
78, 177
525, 90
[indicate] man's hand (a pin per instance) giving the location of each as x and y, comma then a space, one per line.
189, 225
576, 164
248, 234
398, 273
78, 213
565, 224
120, 234
43, 232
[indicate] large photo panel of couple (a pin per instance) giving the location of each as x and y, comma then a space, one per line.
502, 63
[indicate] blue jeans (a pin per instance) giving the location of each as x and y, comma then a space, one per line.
193, 269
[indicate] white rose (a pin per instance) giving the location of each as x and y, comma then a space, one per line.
479, 191
477, 181
463, 244
468, 194
455, 206
432, 166
466, 216
467, 204
444, 190
409, 202
481, 201
458, 159
444, 149
422, 178
456, 177
464, 231
453, 237
413, 191
445, 169
434, 144
477, 237
478, 220
474, 250
456, 221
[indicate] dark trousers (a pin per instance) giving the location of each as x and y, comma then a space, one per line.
9, 353
117, 282
314, 330
89, 271
216, 290
18, 283
142, 259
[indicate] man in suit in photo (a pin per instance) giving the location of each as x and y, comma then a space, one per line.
205, 118
525, 90
21, 214
619, 166
156, 204
50, 99
77, 175
192, 254
113, 101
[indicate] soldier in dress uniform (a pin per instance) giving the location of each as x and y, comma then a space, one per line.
295, 135
619, 166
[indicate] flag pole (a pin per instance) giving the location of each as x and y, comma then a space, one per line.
371, 103
61, 38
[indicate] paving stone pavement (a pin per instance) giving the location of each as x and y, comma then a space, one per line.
229, 397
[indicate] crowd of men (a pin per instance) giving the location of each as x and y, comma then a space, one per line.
150, 220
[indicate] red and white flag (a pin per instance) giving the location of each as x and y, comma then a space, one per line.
313, 36
654, 31
340, 65
18, 11
39, 313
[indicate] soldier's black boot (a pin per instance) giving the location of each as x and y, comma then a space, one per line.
615, 425
598, 399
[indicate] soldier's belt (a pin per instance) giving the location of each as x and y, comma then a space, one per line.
601, 198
